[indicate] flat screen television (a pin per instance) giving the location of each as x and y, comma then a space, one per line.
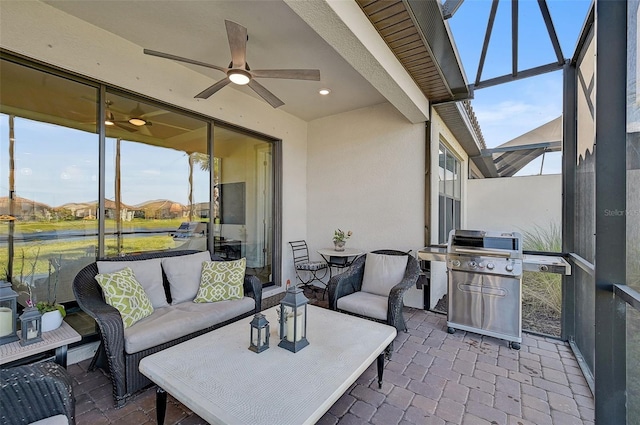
232, 203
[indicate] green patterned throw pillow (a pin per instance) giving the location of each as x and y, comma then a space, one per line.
122, 291
221, 280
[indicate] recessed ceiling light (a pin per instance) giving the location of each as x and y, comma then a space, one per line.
324, 92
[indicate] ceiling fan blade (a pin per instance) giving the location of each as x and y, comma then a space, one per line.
290, 74
237, 35
124, 127
204, 94
144, 131
181, 59
265, 94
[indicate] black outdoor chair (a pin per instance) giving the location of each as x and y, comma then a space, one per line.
307, 271
376, 307
31, 393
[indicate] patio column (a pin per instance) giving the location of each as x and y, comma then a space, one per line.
610, 180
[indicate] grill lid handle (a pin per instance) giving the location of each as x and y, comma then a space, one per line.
479, 251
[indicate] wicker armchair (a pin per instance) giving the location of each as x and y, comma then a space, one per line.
111, 355
34, 392
350, 282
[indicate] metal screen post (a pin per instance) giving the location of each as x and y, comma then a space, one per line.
610, 180
569, 141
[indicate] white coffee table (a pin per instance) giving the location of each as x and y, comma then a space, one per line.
220, 379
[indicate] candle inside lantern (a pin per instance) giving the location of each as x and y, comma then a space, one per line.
6, 318
32, 332
298, 325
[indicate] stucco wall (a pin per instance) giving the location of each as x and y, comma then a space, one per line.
41, 32
514, 203
365, 173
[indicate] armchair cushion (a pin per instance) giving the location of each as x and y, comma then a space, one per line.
147, 272
183, 273
53, 420
365, 304
122, 291
383, 272
311, 266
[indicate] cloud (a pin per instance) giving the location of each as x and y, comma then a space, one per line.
510, 110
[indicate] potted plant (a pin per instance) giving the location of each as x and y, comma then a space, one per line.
52, 315
52, 312
340, 239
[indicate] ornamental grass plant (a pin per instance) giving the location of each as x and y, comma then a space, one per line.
542, 292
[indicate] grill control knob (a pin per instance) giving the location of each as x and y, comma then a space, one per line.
509, 267
490, 266
456, 263
473, 264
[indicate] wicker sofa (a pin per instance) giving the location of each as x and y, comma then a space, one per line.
40, 392
122, 349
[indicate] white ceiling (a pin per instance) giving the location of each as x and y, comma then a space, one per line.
278, 39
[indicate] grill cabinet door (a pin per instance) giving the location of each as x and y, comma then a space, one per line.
465, 299
501, 305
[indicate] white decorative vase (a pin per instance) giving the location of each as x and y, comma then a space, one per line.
51, 320
338, 245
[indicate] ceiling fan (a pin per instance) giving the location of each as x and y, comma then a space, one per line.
136, 117
238, 71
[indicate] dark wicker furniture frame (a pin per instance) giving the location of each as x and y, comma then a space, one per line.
33, 392
350, 282
111, 356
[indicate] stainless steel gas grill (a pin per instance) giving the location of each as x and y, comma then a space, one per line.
485, 284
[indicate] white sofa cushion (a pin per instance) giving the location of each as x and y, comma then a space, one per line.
365, 304
183, 273
383, 272
147, 272
175, 321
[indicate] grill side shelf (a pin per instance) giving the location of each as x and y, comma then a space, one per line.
546, 264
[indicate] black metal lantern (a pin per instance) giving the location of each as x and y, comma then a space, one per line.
293, 320
8, 313
31, 322
259, 333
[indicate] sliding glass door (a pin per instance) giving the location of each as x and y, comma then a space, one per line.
172, 180
243, 193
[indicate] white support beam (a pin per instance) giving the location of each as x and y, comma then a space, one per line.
344, 26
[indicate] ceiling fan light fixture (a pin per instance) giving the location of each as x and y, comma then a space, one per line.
109, 120
324, 92
137, 121
239, 77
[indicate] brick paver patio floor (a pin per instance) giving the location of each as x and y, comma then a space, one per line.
432, 378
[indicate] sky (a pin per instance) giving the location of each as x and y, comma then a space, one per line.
55, 177
509, 110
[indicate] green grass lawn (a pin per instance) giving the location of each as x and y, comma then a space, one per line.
33, 257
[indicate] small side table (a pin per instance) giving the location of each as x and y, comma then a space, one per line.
57, 339
339, 259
